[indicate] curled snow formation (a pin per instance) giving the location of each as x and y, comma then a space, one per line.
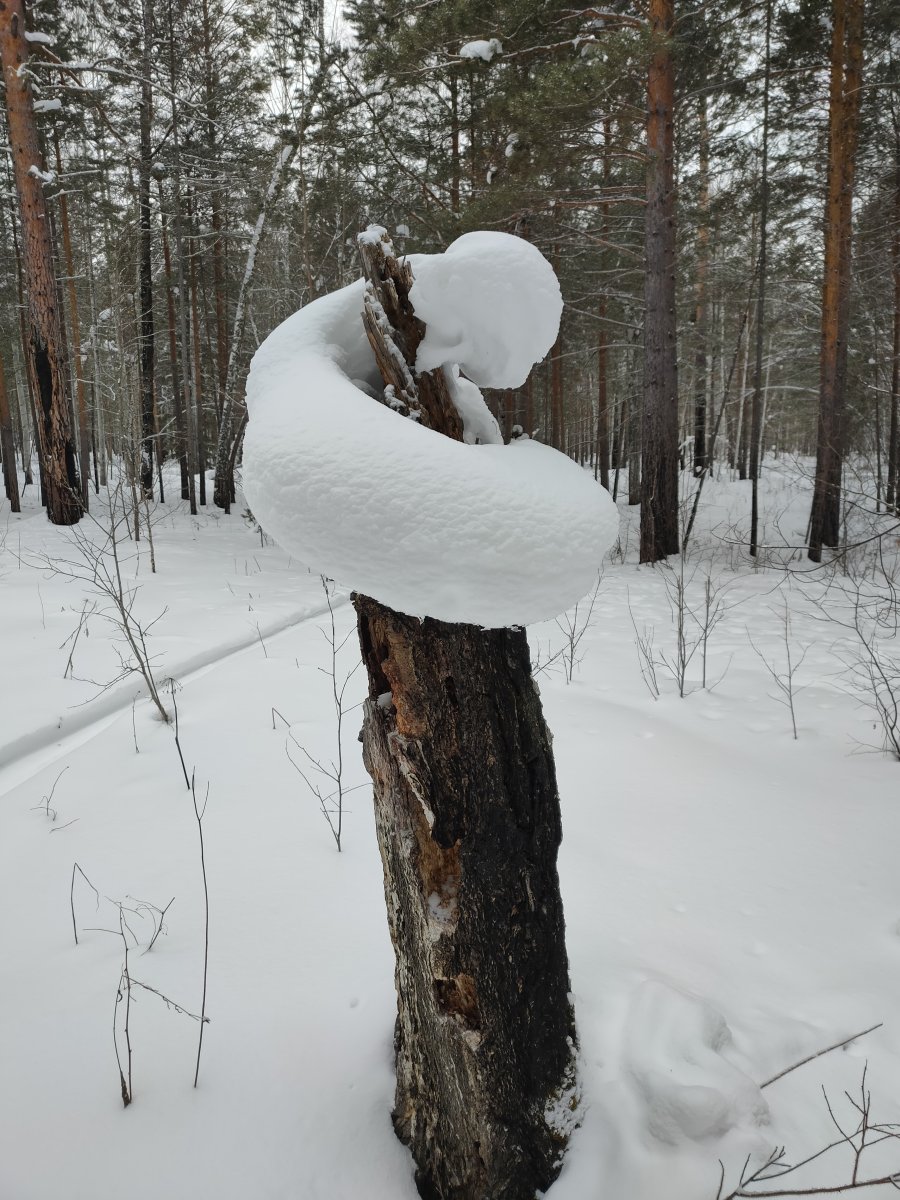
486, 534
490, 303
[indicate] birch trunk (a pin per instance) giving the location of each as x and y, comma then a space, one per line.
224, 478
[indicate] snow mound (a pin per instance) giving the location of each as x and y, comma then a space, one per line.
484, 48
486, 534
676, 1049
492, 304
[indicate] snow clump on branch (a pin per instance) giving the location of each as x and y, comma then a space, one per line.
484, 48
485, 534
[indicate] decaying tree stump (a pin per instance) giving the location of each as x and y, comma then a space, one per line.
468, 821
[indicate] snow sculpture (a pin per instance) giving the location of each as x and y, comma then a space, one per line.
486, 534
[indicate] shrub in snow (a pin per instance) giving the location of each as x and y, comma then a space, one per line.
487, 534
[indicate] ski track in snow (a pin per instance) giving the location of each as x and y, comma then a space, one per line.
29, 753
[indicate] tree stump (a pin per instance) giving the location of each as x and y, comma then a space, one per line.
468, 822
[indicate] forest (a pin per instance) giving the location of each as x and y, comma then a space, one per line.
449, 565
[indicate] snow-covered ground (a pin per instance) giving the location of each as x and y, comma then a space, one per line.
731, 893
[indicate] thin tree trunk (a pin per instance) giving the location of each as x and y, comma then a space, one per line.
84, 439
183, 340
894, 437
177, 398
659, 444
468, 823
198, 377
700, 306
60, 475
757, 404
145, 261
210, 85
224, 484
98, 428
601, 462
454, 141
635, 423
8, 447
843, 121
740, 437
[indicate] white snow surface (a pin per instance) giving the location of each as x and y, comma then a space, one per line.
730, 894
485, 534
43, 176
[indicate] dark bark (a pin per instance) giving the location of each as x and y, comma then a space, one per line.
44, 344
210, 87
181, 437
8, 447
183, 323
601, 461
468, 823
84, 440
557, 429
700, 315
145, 263
198, 374
633, 427
659, 445
893, 439
601, 465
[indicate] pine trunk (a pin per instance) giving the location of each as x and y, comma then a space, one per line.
659, 445
468, 822
700, 315
893, 439
843, 121
8, 447
84, 439
145, 261
44, 343
758, 404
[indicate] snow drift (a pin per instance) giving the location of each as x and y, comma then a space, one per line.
488, 534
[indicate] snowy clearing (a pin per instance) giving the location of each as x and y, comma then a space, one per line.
731, 893
491, 535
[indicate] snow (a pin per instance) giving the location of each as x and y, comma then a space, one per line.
37, 38
730, 894
44, 176
45, 106
481, 48
372, 235
487, 534
490, 303
402, 231
479, 423
676, 1050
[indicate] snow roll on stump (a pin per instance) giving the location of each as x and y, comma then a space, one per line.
466, 531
